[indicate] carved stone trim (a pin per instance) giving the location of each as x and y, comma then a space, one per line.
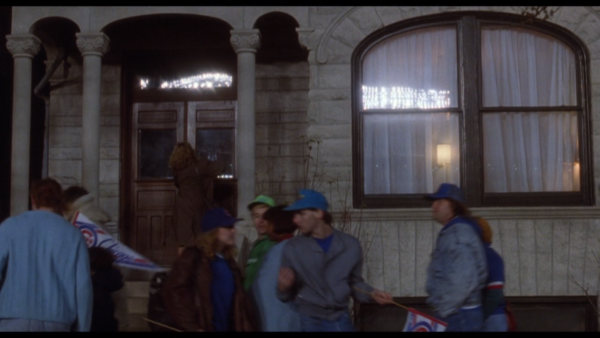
488, 213
304, 37
25, 45
92, 43
245, 40
321, 48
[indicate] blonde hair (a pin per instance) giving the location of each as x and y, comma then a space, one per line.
208, 242
182, 156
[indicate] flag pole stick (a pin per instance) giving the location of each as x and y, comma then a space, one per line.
163, 325
371, 293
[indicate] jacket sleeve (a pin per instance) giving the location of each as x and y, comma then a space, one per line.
492, 299
211, 168
178, 292
286, 262
451, 278
83, 288
357, 282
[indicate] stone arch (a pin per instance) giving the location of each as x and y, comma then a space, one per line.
279, 39
169, 33
229, 15
353, 24
56, 33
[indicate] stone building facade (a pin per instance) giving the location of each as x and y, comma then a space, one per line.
284, 105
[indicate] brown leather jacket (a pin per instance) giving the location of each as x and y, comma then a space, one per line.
186, 294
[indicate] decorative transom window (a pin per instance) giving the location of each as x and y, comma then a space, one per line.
484, 101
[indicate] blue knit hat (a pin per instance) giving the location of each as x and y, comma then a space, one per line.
218, 218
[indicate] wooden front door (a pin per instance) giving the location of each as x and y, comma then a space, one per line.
156, 127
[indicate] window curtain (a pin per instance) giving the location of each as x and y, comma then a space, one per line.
527, 151
412, 70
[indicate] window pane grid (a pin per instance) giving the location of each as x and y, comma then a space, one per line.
521, 126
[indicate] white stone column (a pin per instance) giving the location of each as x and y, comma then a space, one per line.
23, 48
92, 46
245, 43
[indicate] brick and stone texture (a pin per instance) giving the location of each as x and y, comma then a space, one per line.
66, 133
281, 129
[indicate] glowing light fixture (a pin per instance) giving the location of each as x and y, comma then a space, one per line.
443, 154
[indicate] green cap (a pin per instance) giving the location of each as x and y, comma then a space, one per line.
262, 199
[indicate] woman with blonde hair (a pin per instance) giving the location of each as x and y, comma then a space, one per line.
194, 178
204, 291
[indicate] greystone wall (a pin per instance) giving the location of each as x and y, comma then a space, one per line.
64, 161
281, 104
541, 253
281, 121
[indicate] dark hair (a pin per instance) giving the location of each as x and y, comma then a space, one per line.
47, 193
100, 258
283, 221
71, 194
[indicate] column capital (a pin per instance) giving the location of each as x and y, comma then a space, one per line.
247, 40
23, 45
92, 43
304, 37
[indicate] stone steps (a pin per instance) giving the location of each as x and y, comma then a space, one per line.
136, 293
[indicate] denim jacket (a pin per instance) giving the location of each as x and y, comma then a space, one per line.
458, 269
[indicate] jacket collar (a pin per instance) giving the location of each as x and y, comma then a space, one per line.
336, 247
462, 219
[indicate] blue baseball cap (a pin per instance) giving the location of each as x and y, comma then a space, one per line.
447, 190
217, 218
310, 199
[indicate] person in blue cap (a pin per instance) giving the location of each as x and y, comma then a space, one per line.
321, 269
458, 270
204, 290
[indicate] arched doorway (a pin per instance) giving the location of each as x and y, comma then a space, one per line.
161, 59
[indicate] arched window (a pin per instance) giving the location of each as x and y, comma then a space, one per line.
481, 100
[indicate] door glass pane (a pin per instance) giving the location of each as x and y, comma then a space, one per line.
531, 152
523, 68
410, 153
416, 69
219, 142
155, 147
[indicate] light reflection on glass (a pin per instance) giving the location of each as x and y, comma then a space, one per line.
404, 98
206, 80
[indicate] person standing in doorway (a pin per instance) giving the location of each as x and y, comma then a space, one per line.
321, 269
263, 243
45, 278
194, 178
458, 271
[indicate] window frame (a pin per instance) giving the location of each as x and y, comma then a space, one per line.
471, 109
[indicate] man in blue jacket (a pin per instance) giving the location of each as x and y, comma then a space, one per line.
45, 278
458, 269
321, 269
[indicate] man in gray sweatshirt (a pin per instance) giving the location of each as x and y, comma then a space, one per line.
321, 269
